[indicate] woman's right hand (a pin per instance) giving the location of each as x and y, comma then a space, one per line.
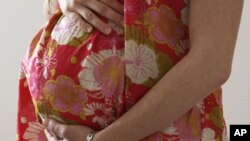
85, 12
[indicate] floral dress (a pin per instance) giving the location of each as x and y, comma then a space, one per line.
92, 79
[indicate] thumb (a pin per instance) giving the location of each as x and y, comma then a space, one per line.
55, 127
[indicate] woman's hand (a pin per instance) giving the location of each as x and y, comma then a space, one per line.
50, 7
85, 12
56, 131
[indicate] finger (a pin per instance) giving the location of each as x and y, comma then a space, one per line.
67, 9
117, 6
105, 11
77, 19
49, 136
93, 19
57, 128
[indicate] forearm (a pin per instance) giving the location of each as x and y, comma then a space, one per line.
181, 88
213, 33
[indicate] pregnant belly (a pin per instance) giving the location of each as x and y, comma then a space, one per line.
77, 77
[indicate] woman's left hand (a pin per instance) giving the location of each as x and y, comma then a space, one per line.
56, 131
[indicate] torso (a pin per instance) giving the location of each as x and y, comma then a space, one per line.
93, 79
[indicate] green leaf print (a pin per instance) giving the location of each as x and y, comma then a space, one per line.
76, 42
45, 110
137, 35
216, 117
165, 64
83, 116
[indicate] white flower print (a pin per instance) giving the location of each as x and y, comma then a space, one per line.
201, 107
45, 63
184, 44
66, 30
208, 135
34, 85
140, 62
171, 130
97, 110
23, 120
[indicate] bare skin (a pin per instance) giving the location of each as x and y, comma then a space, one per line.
213, 30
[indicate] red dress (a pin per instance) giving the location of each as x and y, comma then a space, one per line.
92, 79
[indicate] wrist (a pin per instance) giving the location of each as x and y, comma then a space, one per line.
90, 136
98, 137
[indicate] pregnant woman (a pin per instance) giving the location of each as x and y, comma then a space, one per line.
158, 78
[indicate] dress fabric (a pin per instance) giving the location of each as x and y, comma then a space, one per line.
92, 79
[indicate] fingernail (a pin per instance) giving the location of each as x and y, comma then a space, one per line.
89, 28
45, 122
108, 30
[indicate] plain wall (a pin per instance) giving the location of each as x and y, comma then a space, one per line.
20, 20
236, 95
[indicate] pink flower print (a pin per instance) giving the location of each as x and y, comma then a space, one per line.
65, 95
103, 71
189, 125
45, 63
134, 12
164, 27
110, 75
35, 85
